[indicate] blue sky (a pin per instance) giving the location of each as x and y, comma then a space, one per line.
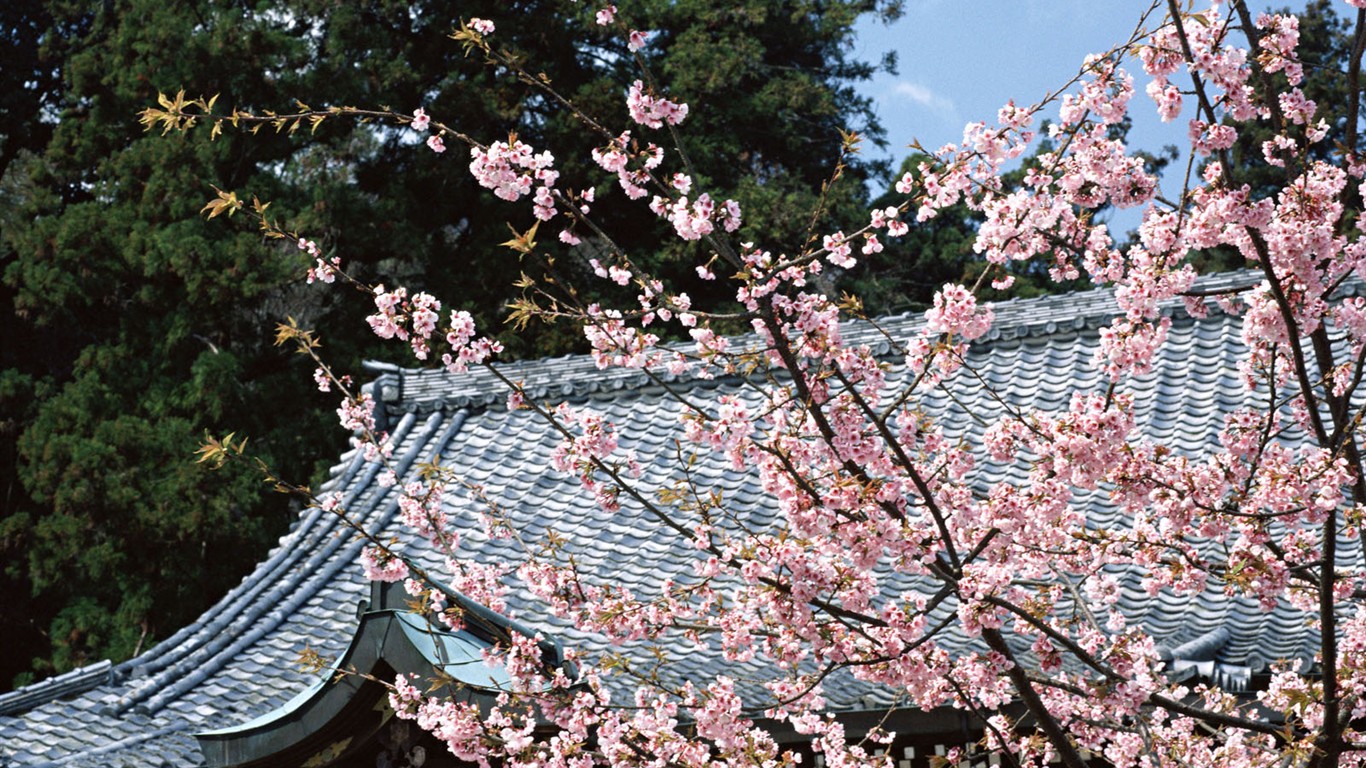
961, 60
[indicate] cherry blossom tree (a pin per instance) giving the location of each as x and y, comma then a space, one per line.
867, 488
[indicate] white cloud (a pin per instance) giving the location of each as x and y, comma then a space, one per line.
920, 103
923, 96
914, 91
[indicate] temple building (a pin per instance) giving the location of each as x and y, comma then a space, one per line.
228, 690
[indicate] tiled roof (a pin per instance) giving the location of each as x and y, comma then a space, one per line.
237, 661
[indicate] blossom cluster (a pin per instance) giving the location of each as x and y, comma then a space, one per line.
617, 158
511, 168
696, 219
653, 111
323, 270
407, 319
415, 319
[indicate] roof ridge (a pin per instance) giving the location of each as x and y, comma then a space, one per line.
270, 577
262, 609
399, 389
290, 580
70, 683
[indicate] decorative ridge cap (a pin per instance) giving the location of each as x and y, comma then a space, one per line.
576, 375
1205, 647
78, 680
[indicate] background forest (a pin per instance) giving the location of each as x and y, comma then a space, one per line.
132, 325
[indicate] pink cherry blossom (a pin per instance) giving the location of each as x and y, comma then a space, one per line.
512, 168
420, 120
652, 111
956, 313
381, 565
